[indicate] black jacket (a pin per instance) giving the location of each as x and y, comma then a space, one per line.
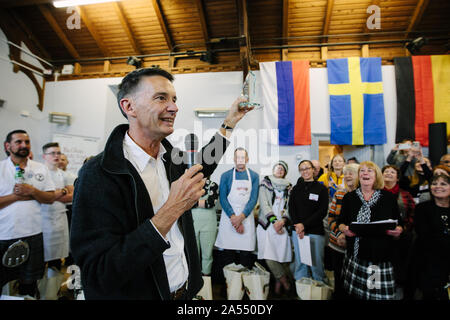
377, 248
303, 208
432, 245
118, 250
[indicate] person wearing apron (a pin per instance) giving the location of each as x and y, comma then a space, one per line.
238, 196
274, 243
55, 225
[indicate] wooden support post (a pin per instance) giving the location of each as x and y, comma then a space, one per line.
77, 68
106, 66
365, 51
324, 53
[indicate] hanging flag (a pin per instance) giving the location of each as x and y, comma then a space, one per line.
423, 95
356, 101
285, 97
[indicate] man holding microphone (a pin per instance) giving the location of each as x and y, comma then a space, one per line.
132, 232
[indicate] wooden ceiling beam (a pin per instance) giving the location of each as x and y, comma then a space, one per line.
126, 27
57, 29
163, 24
29, 38
245, 50
22, 3
203, 24
16, 35
285, 30
327, 19
92, 30
417, 15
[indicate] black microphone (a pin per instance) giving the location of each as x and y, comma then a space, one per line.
191, 144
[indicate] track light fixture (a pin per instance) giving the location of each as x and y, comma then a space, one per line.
133, 61
415, 45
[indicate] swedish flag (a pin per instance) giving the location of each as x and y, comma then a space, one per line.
356, 101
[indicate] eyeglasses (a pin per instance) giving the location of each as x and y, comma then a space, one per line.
53, 153
304, 169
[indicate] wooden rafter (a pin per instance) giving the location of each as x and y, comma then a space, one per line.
92, 30
203, 24
285, 31
57, 29
244, 43
163, 24
16, 35
22, 3
327, 19
30, 39
126, 27
417, 15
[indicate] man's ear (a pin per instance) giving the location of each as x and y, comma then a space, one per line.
127, 105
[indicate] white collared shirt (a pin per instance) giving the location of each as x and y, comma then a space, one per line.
22, 218
153, 173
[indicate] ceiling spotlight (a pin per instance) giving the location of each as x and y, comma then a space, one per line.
415, 45
133, 61
209, 57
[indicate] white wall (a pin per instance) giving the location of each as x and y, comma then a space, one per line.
95, 113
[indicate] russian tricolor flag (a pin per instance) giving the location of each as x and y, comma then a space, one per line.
285, 97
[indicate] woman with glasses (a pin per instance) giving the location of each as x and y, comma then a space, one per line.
308, 205
368, 272
433, 240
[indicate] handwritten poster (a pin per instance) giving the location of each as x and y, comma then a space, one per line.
77, 149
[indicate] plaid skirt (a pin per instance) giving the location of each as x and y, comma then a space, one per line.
368, 281
32, 269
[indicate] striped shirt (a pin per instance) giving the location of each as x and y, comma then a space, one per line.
333, 212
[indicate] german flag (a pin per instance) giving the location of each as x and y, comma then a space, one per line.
423, 95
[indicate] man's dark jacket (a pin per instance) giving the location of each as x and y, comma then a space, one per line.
118, 250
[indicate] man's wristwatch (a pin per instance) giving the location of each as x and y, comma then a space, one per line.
64, 191
226, 127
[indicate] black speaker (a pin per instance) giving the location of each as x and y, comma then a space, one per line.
437, 137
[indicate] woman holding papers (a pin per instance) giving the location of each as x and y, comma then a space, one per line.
308, 205
274, 244
337, 239
406, 204
432, 224
368, 272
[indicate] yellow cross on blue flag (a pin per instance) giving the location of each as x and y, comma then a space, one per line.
356, 101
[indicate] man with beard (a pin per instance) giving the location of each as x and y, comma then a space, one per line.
20, 214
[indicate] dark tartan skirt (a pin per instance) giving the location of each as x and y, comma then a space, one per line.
32, 269
366, 280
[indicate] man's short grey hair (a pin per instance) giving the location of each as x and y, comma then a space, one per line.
131, 82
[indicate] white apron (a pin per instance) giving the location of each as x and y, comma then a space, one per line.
228, 237
271, 245
55, 227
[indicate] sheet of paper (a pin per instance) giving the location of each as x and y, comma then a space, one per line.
376, 222
304, 246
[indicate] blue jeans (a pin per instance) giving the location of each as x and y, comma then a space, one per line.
302, 270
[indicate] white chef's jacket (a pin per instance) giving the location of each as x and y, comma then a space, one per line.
22, 218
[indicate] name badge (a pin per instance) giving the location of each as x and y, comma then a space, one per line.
423, 187
313, 196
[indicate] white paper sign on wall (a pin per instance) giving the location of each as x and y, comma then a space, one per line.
77, 149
